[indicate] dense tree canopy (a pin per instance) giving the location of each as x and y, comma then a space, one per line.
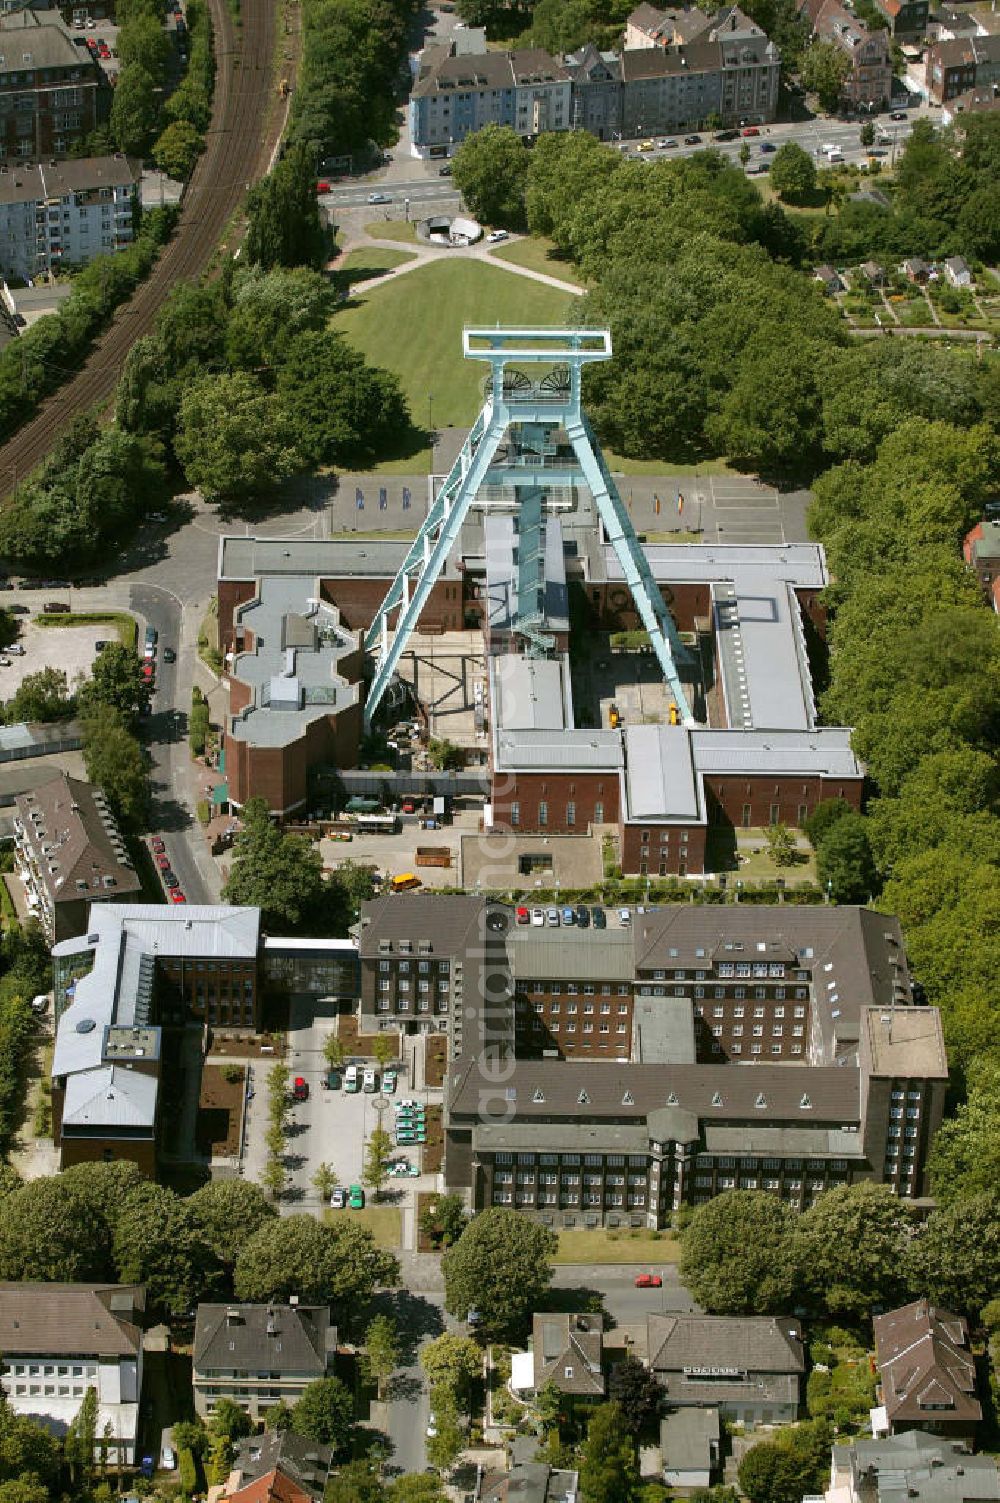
491, 173
320, 1262
735, 1254
500, 1267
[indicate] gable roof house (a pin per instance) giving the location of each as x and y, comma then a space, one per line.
749, 1369
279, 1467
928, 1377
567, 1351
868, 85
257, 1355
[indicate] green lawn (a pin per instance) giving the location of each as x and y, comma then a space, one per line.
413, 326
360, 265
384, 1222
603, 1245
391, 229
621, 466
538, 254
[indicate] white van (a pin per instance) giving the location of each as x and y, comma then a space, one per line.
833, 153
351, 1078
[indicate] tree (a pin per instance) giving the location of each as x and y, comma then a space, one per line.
499, 1266
490, 170
781, 845
978, 221
325, 1413
338, 1262
115, 683
793, 173
280, 874
40, 696
381, 1350
452, 1364
133, 110
143, 43
744, 153
284, 227
384, 1050
116, 763
269, 310
844, 861
234, 438
965, 1152
230, 1421
867, 133
356, 1482
333, 1051
609, 1470
443, 1219
824, 70
851, 1248
956, 1258
375, 1171
825, 815
771, 418
782, 1470
228, 1212
637, 1393
325, 1181
414, 1487
177, 148
157, 1242
51, 1232
340, 410
81, 1437
445, 755
444, 1445
735, 1254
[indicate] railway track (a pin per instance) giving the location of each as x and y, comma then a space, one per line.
234, 156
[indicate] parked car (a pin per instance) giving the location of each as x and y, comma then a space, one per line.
725, 135
369, 1081
19, 610
6, 662
322, 186
552, 918
692, 140
163, 861
351, 1081
332, 1081
668, 144
583, 916
522, 915
407, 1104
148, 672
767, 147
599, 917
356, 1198
170, 879
177, 896
300, 1089
648, 1281
16, 650
55, 608
646, 146
388, 1082
169, 656
898, 115
338, 1199
379, 198
568, 917
624, 916
537, 917
496, 235
750, 130
445, 171
157, 845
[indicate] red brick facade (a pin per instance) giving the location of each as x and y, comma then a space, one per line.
669, 851
563, 803
768, 800
280, 774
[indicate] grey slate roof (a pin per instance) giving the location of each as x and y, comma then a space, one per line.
689, 1439
576, 1341
305, 1461
752, 1344
447, 920
70, 1319
24, 183
284, 1339
917, 1468
44, 37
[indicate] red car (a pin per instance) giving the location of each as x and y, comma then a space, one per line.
147, 672
750, 130
649, 1281
409, 807
156, 845
163, 861
523, 916
322, 187
176, 896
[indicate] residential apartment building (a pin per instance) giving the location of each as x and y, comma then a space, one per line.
259, 1355
927, 1375
679, 71
965, 66
49, 88
749, 1369
904, 18
913, 1467
63, 214
69, 853
868, 84
61, 1340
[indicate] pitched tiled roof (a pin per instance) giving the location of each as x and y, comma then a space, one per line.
70, 1319
273, 1487
753, 1344
561, 1342
926, 1370
304, 1462
252, 1338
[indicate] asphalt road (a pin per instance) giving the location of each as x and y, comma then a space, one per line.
420, 1317
623, 1302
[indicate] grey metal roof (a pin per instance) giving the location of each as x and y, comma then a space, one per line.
826, 752
276, 1338
664, 1030
575, 1137
819, 1142
319, 558
918, 1468
768, 663
556, 955
530, 694
660, 777
293, 669
800, 564
112, 1097
38, 740
583, 751
502, 572
687, 1437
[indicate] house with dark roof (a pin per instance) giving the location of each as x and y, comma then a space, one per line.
926, 1372
829, 279
278, 1465
258, 1355
689, 1447
69, 853
910, 1468
750, 1369
965, 65
868, 83
904, 18
567, 1350
526, 1482
61, 1340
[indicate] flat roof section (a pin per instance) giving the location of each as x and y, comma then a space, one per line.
531, 694
318, 558
905, 1041
661, 780
802, 565
762, 655
292, 668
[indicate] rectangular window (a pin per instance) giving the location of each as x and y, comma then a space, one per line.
571, 813
515, 813
543, 812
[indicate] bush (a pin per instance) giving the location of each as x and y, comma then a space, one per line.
204, 807
187, 1472
199, 724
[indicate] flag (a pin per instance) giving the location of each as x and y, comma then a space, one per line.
406, 498
680, 503
383, 500
359, 499
656, 504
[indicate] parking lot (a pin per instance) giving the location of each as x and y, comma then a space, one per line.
393, 854
71, 649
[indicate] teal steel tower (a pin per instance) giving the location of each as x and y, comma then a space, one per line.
531, 445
